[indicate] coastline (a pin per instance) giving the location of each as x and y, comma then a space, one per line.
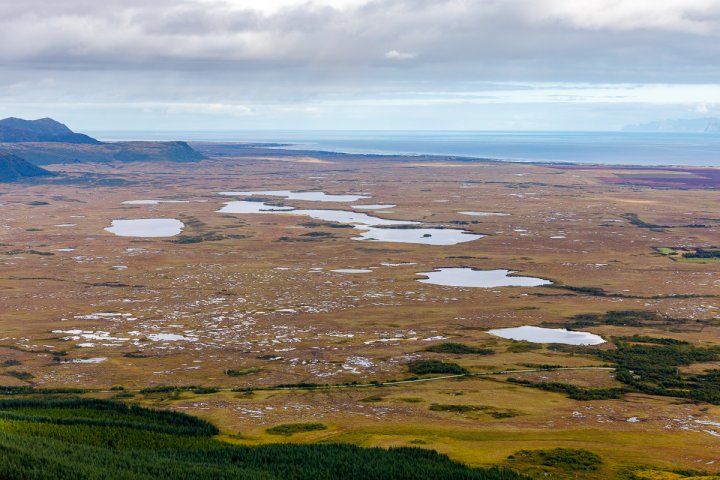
542, 148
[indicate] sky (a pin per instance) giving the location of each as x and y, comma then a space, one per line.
359, 64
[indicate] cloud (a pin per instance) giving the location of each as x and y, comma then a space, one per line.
520, 39
703, 108
689, 16
218, 54
395, 55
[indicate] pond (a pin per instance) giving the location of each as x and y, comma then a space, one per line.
146, 227
292, 195
373, 207
424, 236
548, 335
367, 223
470, 277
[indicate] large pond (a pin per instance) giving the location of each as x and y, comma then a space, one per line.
291, 195
146, 227
425, 236
244, 206
548, 335
367, 223
469, 277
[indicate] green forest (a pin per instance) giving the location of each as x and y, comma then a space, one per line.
80, 438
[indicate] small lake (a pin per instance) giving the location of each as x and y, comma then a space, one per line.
291, 195
338, 216
357, 218
170, 337
146, 227
87, 360
244, 206
377, 206
424, 236
152, 202
469, 277
548, 335
485, 214
366, 223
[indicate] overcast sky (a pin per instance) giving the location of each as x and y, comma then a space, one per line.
359, 64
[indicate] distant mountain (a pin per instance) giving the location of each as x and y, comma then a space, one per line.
679, 125
48, 153
42, 130
15, 168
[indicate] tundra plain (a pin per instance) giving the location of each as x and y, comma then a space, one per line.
283, 318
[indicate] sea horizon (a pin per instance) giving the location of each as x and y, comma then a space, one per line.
589, 147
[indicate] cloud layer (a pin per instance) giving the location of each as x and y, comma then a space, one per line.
242, 57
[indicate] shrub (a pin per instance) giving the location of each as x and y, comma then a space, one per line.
288, 429
424, 367
573, 459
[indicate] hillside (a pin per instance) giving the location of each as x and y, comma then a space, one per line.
42, 130
678, 125
49, 153
14, 168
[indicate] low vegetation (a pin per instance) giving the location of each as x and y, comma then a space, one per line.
557, 462
426, 367
459, 349
487, 409
690, 254
635, 220
573, 391
204, 237
242, 373
621, 318
651, 365
522, 346
288, 429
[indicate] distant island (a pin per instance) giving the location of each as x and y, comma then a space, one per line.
678, 125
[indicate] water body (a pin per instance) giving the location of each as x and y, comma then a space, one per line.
351, 270
170, 337
146, 227
372, 207
152, 202
612, 148
87, 360
424, 236
548, 335
468, 277
243, 206
485, 214
290, 195
367, 223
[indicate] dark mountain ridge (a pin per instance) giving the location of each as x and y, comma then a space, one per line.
45, 141
15, 168
45, 153
14, 130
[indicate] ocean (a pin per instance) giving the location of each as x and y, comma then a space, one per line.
611, 148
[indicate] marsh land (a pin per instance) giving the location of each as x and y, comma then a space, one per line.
233, 290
